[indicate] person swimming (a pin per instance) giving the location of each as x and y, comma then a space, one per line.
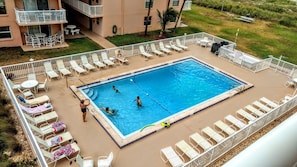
115, 89
138, 101
109, 111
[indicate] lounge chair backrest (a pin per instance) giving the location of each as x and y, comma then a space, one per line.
161, 45
60, 64
95, 57
47, 154
153, 46
141, 48
41, 141
84, 59
73, 64
48, 66
10, 83
104, 56
110, 157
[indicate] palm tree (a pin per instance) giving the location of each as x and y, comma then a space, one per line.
166, 16
179, 14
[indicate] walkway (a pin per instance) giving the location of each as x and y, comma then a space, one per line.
97, 38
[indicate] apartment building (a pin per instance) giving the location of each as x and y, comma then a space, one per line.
20, 18
118, 17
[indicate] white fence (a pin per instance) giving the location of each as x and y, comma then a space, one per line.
231, 141
40, 17
92, 11
21, 71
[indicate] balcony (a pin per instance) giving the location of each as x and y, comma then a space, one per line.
187, 5
40, 17
92, 11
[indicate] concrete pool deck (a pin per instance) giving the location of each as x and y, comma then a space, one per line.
94, 141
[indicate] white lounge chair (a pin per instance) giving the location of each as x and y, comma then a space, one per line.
13, 85
224, 127
105, 161
42, 86
178, 44
106, 60
34, 102
197, 140
86, 64
38, 109
261, 106
163, 49
69, 151
254, 111
84, 161
47, 129
61, 68
27, 93
43, 118
78, 69
57, 140
246, 115
186, 149
268, 102
174, 47
143, 52
213, 134
155, 51
96, 61
120, 57
236, 122
50, 73
169, 155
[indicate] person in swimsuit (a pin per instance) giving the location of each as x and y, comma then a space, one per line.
138, 101
83, 108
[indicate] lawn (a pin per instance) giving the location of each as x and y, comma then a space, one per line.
16, 55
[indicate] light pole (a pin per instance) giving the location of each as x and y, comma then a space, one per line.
236, 35
31, 60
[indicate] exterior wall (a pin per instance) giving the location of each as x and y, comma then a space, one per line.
128, 16
9, 20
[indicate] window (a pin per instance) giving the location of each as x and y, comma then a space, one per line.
175, 2
5, 32
147, 3
2, 7
147, 20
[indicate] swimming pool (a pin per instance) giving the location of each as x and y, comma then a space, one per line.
166, 91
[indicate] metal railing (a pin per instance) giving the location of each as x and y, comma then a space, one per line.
40, 17
91, 11
25, 126
23, 69
230, 142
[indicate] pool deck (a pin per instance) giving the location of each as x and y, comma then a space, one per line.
94, 141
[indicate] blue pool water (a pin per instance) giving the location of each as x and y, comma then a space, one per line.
165, 91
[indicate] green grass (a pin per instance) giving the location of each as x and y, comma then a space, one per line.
16, 55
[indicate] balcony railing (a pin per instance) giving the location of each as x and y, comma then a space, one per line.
91, 11
187, 5
40, 17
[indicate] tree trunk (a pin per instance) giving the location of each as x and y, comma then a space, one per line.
147, 18
179, 14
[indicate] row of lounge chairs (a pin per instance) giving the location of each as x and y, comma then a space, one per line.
201, 142
163, 49
55, 142
85, 66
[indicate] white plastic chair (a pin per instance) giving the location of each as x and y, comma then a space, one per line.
27, 93
84, 161
42, 86
105, 161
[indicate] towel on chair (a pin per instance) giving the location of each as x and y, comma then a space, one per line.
65, 150
58, 126
21, 99
56, 140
